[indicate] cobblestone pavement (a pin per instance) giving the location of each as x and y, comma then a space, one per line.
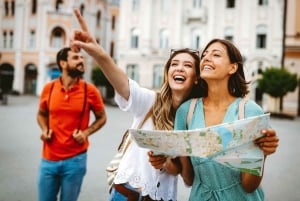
20, 152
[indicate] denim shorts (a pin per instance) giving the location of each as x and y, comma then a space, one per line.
117, 196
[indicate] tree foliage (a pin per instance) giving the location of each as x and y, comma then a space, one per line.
277, 82
98, 77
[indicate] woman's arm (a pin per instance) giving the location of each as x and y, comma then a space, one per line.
82, 39
268, 143
187, 171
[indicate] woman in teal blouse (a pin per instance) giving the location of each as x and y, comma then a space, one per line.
224, 84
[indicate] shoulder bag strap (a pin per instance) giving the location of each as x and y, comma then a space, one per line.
191, 112
241, 111
126, 141
84, 105
48, 103
49, 97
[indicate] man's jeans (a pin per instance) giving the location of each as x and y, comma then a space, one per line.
65, 175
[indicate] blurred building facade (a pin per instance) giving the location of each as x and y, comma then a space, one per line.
151, 28
139, 34
33, 31
291, 58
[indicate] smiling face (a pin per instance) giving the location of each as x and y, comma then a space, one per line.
74, 65
182, 73
215, 63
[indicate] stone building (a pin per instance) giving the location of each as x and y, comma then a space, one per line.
32, 32
140, 33
291, 59
149, 29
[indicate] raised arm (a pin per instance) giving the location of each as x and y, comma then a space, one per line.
82, 39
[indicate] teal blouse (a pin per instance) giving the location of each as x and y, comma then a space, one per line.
214, 181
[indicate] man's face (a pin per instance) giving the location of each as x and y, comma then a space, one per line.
75, 64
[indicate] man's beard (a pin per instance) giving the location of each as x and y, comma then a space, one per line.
74, 73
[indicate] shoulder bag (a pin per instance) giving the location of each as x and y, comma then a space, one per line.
113, 165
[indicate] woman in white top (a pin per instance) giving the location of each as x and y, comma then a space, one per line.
140, 173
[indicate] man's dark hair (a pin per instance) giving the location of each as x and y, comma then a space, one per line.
62, 55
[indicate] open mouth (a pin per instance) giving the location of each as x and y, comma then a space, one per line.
179, 78
206, 67
80, 66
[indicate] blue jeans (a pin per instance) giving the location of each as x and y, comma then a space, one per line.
65, 175
116, 196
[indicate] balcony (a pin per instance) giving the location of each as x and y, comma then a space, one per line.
195, 15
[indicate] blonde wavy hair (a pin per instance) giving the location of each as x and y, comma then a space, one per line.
163, 112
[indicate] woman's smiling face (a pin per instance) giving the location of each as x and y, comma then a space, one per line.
182, 73
215, 62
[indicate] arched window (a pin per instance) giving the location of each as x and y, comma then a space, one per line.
132, 71
261, 36
6, 77
12, 7
158, 75
6, 8
30, 79
135, 5
112, 49
57, 37
164, 39
57, 4
163, 5
32, 39
230, 3
228, 33
196, 39
134, 41
262, 2
4, 39
98, 18
197, 3
82, 9
33, 7
113, 22
11, 39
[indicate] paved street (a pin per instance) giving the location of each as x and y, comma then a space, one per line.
20, 152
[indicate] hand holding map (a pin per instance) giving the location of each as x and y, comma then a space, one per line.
230, 143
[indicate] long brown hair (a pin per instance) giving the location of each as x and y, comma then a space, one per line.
163, 112
237, 84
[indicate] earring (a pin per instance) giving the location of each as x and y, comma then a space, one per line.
232, 90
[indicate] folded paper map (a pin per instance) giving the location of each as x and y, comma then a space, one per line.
229, 143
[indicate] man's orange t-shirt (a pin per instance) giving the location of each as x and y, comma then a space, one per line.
64, 117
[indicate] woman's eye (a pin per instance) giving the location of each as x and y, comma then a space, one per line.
189, 66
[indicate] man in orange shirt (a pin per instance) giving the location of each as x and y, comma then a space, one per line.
63, 115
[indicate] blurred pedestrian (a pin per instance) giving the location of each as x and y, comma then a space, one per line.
63, 116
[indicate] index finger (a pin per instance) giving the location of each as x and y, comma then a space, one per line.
81, 21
